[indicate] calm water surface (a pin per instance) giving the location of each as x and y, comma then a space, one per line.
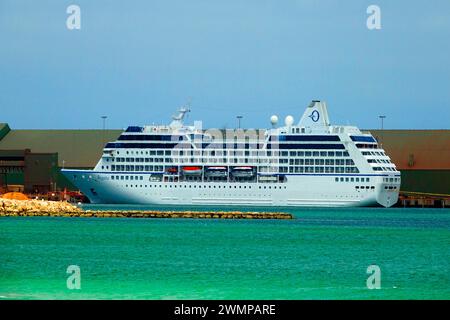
322, 254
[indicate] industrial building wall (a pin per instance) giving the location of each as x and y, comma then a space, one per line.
11, 178
426, 181
416, 149
423, 157
41, 171
75, 148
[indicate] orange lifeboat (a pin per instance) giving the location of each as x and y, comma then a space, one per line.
192, 171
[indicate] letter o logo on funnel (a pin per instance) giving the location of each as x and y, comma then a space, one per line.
315, 116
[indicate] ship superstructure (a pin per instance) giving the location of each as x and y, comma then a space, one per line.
312, 163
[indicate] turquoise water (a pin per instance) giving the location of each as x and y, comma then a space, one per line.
322, 254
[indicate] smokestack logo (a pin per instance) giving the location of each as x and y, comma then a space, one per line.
315, 116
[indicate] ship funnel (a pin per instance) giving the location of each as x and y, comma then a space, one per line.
315, 115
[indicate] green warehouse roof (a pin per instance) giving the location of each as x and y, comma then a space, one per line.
77, 148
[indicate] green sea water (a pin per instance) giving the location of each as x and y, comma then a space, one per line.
322, 254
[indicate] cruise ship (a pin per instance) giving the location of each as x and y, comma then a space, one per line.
311, 163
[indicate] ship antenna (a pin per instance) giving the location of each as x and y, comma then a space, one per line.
178, 119
188, 106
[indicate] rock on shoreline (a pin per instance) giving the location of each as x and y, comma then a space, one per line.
30, 208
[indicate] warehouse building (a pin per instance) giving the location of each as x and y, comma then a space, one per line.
423, 156
78, 149
25, 171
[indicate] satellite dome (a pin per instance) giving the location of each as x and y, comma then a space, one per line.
274, 120
289, 121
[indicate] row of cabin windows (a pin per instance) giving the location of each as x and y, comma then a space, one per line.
337, 179
384, 169
366, 146
229, 146
136, 168
352, 179
282, 169
319, 162
318, 170
364, 187
373, 153
127, 178
204, 186
378, 161
221, 153
240, 160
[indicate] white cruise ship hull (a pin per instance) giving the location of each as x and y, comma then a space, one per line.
311, 164
299, 191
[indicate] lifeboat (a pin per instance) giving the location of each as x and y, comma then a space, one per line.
192, 171
216, 172
243, 172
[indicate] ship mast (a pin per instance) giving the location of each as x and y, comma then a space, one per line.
177, 120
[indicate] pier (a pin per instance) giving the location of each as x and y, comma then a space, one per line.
423, 200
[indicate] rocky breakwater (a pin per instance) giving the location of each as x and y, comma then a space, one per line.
65, 209
37, 208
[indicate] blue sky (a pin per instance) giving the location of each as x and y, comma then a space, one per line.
138, 61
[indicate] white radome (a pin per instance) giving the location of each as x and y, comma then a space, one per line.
289, 121
274, 120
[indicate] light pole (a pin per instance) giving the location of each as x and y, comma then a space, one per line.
104, 127
382, 121
382, 128
239, 121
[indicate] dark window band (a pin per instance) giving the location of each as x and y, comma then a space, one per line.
362, 139
305, 138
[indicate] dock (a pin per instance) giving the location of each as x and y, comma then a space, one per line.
423, 200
